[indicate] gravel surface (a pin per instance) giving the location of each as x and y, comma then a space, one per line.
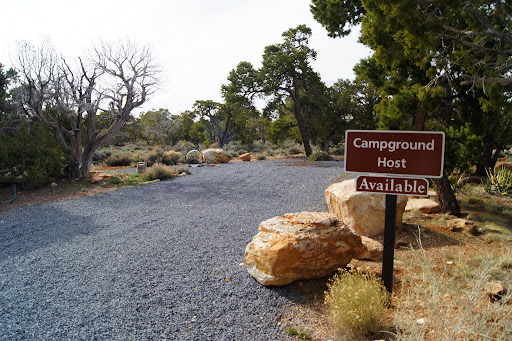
158, 262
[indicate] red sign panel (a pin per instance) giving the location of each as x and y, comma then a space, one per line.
409, 153
392, 185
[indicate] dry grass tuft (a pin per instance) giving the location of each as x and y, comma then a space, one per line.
357, 301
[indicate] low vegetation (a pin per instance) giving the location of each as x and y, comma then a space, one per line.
158, 171
499, 181
445, 298
357, 302
297, 333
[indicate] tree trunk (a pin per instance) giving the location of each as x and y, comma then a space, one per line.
444, 191
420, 116
446, 196
226, 129
325, 145
300, 120
489, 157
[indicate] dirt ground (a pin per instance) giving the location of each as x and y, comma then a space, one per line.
63, 190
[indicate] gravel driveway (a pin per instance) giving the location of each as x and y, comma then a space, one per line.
158, 262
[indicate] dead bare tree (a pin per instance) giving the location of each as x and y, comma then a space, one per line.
112, 78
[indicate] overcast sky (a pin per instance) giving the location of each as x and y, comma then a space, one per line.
195, 42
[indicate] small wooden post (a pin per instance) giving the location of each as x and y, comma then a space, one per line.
141, 167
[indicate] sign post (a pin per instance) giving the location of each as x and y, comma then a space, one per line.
380, 155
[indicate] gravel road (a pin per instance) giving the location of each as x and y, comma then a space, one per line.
157, 262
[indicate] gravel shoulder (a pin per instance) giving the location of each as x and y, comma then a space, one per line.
157, 262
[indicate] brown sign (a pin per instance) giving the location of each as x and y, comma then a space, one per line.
392, 185
410, 153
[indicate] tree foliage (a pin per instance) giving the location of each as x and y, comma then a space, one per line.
472, 35
32, 153
287, 73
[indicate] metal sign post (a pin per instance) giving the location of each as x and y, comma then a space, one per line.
388, 255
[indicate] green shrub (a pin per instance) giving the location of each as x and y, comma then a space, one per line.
172, 157
119, 160
337, 151
184, 146
33, 153
319, 156
294, 150
194, 157
260, 157
100, 155
158, 171
299, 334
137, 157
155, 156
500, 181
357, 302
242, 151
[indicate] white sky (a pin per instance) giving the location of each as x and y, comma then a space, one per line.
196, 42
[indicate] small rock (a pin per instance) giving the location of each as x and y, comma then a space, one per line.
495, 291
96, 179
401, 243
423, 205
54, 184
245, 157
421, 321
372, 249
459, 224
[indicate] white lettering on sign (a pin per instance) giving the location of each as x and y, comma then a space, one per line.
392, 145
384, 162
389, 185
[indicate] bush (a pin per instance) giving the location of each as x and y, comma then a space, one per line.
500, 181
260, 157
319, 156
155, 156
194, 157
158, 171
184, 146
357, 302
137, 157
337, 151
119, 160
294, 150
172, 157
100, 155
33, 153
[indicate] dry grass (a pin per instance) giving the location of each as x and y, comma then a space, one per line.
446, 299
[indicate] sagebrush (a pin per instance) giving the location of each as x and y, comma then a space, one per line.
357, 301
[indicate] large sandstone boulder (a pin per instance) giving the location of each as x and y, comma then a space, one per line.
214, 156
361, 211
300, 246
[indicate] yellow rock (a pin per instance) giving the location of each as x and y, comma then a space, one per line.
363, 212
300, 246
